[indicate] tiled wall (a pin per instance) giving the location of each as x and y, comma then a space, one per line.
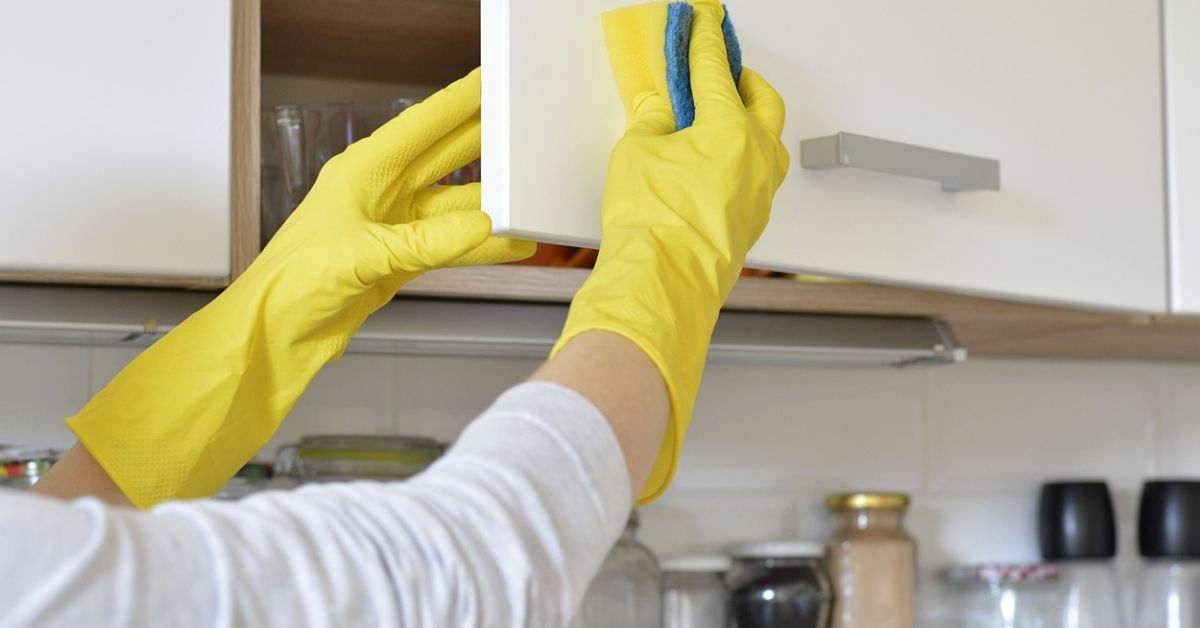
970, 442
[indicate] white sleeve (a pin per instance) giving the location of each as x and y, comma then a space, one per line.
506, 529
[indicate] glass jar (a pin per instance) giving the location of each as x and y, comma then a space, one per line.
872, 561
627, 592
335, 458
1077, 531
1002, 596
1169, 541
1092, 595
1169, 594
694, 594
780, 584
22, 468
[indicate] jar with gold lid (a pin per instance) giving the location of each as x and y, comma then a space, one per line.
872, 561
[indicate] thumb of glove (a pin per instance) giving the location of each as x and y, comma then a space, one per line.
429, 243
652, 115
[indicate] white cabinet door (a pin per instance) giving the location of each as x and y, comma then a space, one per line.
116, 149
1065, 94
1181, 31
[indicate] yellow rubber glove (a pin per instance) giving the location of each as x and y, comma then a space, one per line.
681, 210
184, 416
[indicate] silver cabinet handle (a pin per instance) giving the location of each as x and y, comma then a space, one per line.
955, 171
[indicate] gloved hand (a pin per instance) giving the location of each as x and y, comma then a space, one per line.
681, 210
184, 416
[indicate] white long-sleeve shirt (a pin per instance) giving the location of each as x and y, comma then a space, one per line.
507, 529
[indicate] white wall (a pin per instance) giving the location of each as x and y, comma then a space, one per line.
971, 442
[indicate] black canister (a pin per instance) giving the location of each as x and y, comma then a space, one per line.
1169, 541
1075, 521
1169, 519
1078, 534
779, 584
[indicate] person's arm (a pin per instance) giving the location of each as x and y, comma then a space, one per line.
617, 376
606, 368
182, 418
509, 526
78, 474
507, 529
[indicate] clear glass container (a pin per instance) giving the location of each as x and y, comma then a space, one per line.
298, 140
284, 178
780, 584
627, 592
333, 458
1091, 594
21, 468
694, 594
372, 115
872, 561
1001, 596
1169, 594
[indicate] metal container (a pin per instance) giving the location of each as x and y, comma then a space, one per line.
22, 468
341, 457
779, 584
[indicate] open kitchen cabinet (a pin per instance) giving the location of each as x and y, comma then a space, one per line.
1079, 231
1076, 222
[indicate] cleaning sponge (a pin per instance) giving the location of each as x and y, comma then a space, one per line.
648, 48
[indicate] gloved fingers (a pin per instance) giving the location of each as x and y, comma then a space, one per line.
452, 151
652, 115
423, 124
432, 242
712, 80
762, 101
444, 199
496, 250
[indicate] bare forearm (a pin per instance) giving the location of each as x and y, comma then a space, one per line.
616, 376
78, 474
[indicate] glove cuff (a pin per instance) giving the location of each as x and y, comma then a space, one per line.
670, 316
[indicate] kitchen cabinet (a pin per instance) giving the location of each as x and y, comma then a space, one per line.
1066, 97
1071, 111
1181, 48
125, 157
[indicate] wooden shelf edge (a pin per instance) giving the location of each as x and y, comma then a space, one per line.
114, 279
558, 285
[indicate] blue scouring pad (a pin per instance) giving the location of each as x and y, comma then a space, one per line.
679, 79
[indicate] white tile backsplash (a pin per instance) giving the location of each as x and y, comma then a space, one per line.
351, 395
40, 386
1177, 432
970, 442
437, 396
702, 521
757, 428
107, 362
1008, 425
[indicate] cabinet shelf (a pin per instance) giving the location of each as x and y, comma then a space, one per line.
425, 42
986, 327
